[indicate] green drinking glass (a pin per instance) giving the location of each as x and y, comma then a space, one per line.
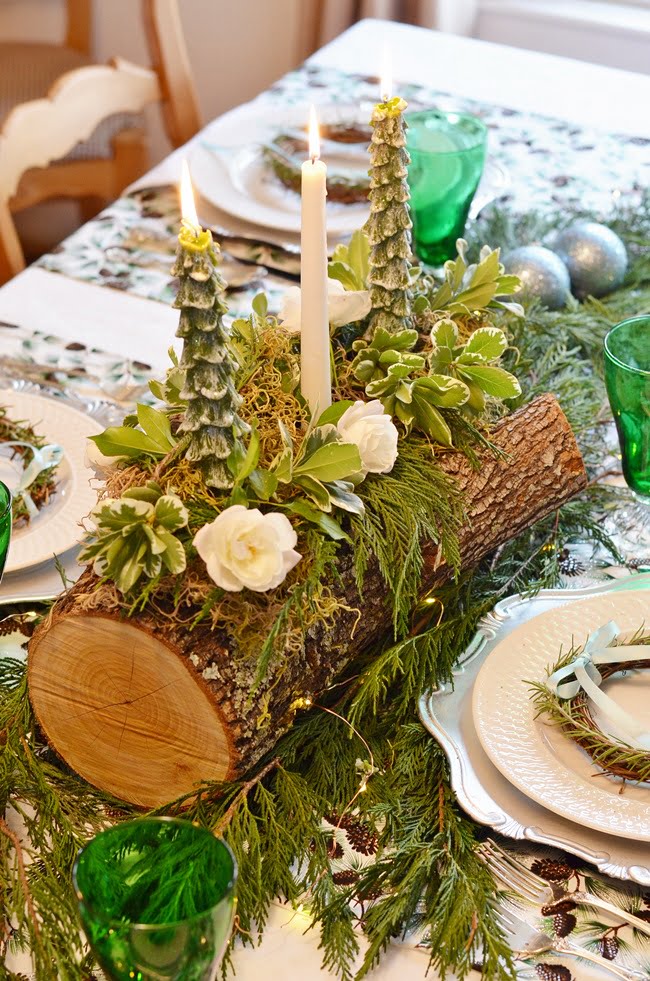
447, 151
157, 898
5, 524
627, 376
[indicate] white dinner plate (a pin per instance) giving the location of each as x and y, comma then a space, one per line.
536, 757
55, 529
228, 170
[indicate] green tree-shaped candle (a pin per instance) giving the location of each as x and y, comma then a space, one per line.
211, 416
389, 224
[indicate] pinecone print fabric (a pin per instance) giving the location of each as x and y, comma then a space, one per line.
596, 931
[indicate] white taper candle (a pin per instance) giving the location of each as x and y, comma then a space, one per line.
315, 375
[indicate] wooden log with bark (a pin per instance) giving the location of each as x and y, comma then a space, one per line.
145, 711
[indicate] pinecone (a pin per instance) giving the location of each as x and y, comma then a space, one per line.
362, 836
551, 869
346, 877
638, 562
643, 914
564, 906
335, 849
115, 812
646, 900
553, 972
563, 924
368, 894
608, 947
570, 565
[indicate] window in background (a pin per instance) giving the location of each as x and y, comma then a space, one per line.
608, 32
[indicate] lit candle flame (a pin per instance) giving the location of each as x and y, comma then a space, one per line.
386, 84
314, 136
188, 208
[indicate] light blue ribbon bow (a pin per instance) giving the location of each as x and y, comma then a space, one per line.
44, 458
599, 650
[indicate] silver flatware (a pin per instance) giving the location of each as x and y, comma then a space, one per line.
279, 246
526, 941
513, 875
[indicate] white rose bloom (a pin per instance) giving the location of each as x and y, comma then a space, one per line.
367, 426
343, 306
243, 548
95, 460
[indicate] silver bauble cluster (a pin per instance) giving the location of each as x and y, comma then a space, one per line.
587, 258
594, 255
542, 274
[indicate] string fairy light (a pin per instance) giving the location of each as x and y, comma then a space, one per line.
306, 702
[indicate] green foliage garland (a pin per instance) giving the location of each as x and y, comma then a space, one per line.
273, 819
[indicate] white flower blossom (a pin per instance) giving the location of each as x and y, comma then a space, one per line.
367, 426
243, 548
95, 460
343, 306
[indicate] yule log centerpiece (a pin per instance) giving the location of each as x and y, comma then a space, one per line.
248, 544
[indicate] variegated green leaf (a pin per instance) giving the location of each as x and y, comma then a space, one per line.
170, 512
335, 461
494, 381
489, 342
444, 334
320, 518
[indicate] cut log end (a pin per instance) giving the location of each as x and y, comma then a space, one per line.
124, 711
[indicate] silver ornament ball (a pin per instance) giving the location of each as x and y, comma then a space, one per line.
542, 274
594, 255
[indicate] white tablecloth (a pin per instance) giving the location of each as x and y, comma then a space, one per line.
37, 299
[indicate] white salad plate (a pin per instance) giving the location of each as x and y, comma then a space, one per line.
537, 757
229, 171
56, 527
480, 788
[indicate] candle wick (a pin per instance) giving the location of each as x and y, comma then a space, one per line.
314, 158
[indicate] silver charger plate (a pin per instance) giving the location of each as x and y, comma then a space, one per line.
485, 793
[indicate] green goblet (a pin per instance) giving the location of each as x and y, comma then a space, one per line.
627, 376
157, 900
5, 524
447, 151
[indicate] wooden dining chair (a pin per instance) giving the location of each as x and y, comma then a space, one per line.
72, 129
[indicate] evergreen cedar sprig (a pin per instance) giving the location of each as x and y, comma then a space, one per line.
558, 352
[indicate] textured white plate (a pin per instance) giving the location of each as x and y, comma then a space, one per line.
535, 757
56, 527
228, 170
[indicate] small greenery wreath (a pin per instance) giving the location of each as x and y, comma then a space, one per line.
44, 484
574, 717
285, 153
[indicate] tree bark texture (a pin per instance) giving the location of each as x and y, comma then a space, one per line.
145, 711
